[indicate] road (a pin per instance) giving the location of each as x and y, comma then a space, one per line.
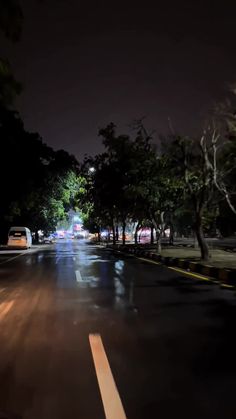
65, 309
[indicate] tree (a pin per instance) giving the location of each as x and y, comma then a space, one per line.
155, 193
116, 172
105, 193
223, 142
42, 185
192, 166
50, 203
129, 183
97, 193
133, 183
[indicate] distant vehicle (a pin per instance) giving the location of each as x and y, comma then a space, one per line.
60, 234
81, 234
19, 237
49, 239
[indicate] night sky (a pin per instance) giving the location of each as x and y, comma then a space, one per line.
85, 64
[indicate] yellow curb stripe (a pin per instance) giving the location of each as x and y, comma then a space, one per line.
179, 270
204, 278
110, 397
226, 286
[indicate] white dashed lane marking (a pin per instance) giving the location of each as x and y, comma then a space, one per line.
4, 308
110, 397
78, 276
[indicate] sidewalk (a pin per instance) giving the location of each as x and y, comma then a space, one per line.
219, 258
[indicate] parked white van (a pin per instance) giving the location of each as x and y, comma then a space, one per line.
19, 237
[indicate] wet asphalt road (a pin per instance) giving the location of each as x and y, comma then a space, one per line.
169, 338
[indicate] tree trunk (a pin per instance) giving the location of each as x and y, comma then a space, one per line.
152, 235
158, 239
171, 238
99, 234
195, 240
201, 240
163, 226
113, 234
136, 233
139, 236
117, 233
158, 236
123, 232
36, 236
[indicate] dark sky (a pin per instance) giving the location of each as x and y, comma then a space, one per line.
84, 64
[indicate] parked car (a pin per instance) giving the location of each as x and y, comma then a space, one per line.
19, 237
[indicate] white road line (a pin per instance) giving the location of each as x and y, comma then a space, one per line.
6, 307
80, 279
78, 276
110, 397
74, 258
14, 257
26, 252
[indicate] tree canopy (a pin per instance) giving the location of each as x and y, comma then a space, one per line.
182, 184
38, 184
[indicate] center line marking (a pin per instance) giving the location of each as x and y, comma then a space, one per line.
110, 397
57, 259
78, 276
6, 308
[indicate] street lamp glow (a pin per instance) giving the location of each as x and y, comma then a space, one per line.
92, 169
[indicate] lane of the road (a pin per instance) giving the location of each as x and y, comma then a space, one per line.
88, 334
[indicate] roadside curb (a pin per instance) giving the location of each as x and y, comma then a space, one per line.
223, 275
